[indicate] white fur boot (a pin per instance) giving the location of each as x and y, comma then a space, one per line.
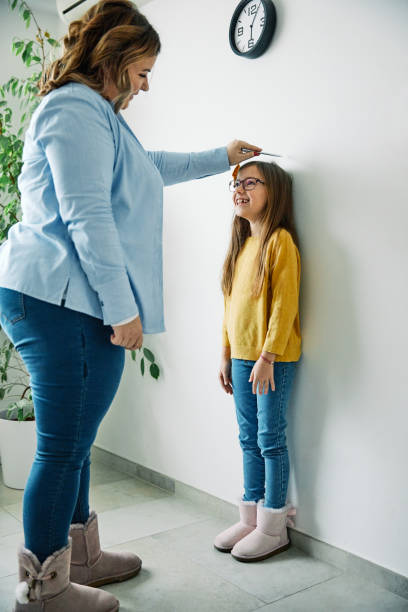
270, 536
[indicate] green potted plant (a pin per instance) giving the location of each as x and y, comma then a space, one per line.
17, 427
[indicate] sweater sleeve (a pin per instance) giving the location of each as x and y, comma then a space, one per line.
285, 263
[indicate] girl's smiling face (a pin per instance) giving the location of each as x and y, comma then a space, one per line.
250, 203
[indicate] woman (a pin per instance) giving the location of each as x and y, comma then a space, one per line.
85, 261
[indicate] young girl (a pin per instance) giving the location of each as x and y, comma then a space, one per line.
261, 345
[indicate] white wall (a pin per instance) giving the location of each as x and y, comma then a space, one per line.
332, 93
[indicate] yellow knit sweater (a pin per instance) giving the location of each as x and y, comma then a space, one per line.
271, 321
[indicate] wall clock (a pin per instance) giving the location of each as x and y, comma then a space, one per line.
252, 27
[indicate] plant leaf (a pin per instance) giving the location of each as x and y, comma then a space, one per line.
155, 371
27, 17
142, 366
133, 353
18, 46
148, 354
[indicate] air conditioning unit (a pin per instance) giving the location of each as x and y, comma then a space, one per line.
69, 10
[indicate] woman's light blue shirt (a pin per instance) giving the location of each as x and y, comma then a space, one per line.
92, 204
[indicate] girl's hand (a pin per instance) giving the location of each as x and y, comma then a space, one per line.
225, 375
129, 335
235, 155
262, 376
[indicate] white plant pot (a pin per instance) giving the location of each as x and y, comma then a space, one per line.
17, 446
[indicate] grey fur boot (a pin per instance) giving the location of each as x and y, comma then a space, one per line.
45, 587
94, 567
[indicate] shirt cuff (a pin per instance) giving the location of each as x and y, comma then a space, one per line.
125, 321
117, 300
276, 347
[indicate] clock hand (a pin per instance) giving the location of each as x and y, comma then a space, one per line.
255, 15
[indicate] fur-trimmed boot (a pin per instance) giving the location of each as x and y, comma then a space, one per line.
45, 587
270, 536
226, 540
94, 567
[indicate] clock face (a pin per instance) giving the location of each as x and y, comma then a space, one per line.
252, 27
249, 26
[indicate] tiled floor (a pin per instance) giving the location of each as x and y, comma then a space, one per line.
181, 570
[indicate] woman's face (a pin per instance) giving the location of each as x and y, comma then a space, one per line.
249, 204
138, 75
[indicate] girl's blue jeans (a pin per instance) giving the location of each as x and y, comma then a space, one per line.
74, 371
262, 432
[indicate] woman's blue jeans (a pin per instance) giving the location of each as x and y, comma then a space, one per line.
262, 432
74, 371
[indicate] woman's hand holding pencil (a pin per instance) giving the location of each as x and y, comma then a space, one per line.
239, 151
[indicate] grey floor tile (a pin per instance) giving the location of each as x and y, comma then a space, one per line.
7, 588
268, 580
102, 474
8, 523
122, 493
343, 594
8, 553
15, 510
170, 582
8, 495
181, 570
114, 494
132, 522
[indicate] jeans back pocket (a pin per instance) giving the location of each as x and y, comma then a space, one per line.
11, 306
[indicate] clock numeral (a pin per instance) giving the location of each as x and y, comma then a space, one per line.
251, 43
262, 21
252, 9
240, 31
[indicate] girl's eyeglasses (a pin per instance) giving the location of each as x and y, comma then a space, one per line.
248, 184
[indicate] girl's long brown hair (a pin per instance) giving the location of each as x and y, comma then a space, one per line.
278, 213
110, 36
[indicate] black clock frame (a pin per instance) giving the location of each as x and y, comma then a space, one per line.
267, 33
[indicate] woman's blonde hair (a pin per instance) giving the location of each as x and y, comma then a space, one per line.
110, 36
278, 213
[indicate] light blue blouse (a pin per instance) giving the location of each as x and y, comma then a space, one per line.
92, 204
